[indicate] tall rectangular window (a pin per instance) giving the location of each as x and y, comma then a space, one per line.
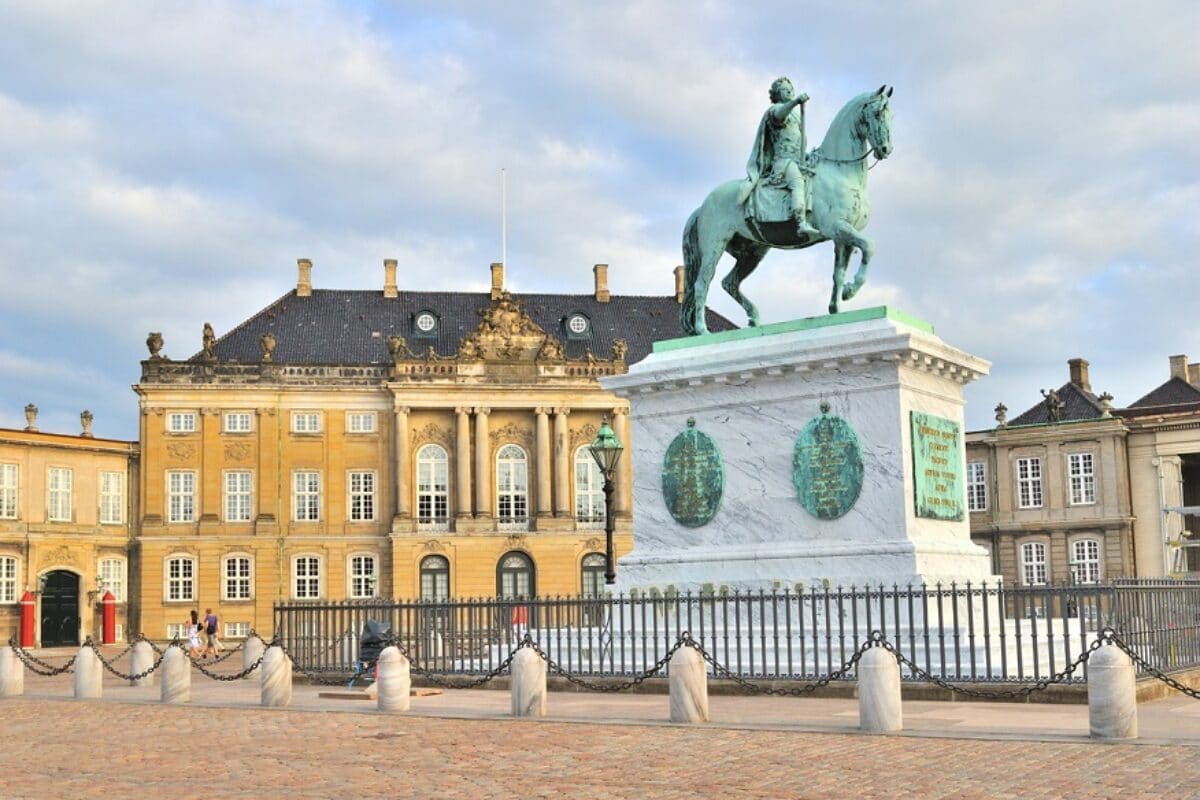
1081, 470
8, 579
362, 577
238, 422
1033, 564
112, 498
306, 496
181, 579
181, 422
58, 490
112, 577
360, 422
976, 486
237, 495
1029, 482
307, 577
306, 422
8, 491
362, 496
181, 496
433, 489
1085, 560
237, 578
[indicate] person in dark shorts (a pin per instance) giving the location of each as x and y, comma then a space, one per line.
210, 630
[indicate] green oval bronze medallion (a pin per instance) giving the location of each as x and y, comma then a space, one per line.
827, 466
693, 477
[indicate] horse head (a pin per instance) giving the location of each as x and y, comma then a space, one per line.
875, 122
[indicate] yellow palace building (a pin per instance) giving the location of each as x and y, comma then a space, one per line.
351, 444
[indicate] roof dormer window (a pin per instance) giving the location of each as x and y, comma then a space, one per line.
578, 326
425, 324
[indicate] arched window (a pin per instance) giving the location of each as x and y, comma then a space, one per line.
363, 577
593, 575
515, 576
433, 488
1033, 564
589, 491
1085, 560
512, 489
237, 577
435, 578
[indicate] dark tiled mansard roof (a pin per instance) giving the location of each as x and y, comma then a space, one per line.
1078, 404
334, 326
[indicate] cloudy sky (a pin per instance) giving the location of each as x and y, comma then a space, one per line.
163, 164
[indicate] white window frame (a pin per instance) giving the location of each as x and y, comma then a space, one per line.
427, 588
1034, 568
1030, 492
181, 422
242, 584
181, 500
10, 477
60, 499
359, 498
1087, 567
362, 584
432, 496
510, 467
185, 579
237, 495
177, 630
311, 507
112, 500
977, 493
237, 422
362, 422
236, 630
589, 492
10, 577
312, 583
114, 576
1081, 478
306, 422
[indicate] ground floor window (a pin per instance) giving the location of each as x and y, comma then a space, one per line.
306, 575
1085, 561
1033, 564
515, 576
8, 579
435, 578
593, 575
362, 576
237, 630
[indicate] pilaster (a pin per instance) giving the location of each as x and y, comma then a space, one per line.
483, 472
562, 471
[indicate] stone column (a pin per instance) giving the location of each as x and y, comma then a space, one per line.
403, 466
12, 673
562, 464
276, 678
1112, 694
688, 686
141, 658
394, 685
544, 508
623, 491
252, 651
528, 684
176, 677
89, 675
879, 692
462, 458
483, 468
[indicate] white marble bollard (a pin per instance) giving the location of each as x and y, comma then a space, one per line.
689, 686
394, 682
276, 678
252, 651
1112, 694
89, 675
176, 677
879, 708
141, 658
12, 673
528, 684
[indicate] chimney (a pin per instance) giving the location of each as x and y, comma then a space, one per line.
679, 271
389, 278
31, 418
85, 419
1079, 373
304, 281
1194, 375
1179, 367
497, 279
601, 273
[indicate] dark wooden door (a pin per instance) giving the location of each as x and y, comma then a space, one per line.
60, 609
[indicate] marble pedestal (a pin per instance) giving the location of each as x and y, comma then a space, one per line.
753, 391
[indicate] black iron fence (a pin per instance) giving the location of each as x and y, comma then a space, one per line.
983, 633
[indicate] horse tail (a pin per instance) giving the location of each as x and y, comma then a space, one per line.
691, 267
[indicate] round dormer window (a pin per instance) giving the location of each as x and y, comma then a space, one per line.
577, 324
426, 322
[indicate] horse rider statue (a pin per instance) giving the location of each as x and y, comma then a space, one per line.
780, 154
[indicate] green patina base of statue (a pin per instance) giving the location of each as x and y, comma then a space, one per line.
791, 198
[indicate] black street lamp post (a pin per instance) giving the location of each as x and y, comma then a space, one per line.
606, 449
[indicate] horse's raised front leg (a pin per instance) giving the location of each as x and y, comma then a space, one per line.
747, 255
853, 238
841, 257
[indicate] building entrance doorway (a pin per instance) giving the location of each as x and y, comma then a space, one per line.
60, 609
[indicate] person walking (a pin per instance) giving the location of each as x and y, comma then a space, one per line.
210, 630
193, 635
